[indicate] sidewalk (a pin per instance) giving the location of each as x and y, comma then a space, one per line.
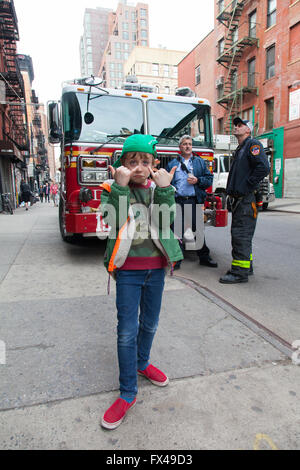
229, 388
285, 204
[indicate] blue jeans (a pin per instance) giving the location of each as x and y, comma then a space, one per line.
139, 295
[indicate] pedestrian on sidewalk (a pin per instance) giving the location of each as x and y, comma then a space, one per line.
250, 165
41, 193
25, 193
54, 192
46, 191
191, 178
136, 256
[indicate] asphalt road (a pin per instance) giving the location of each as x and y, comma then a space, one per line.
225, 348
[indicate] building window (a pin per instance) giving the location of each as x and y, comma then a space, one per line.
143, 13
167, 90
125, 26
294, 43
155, 70
269, 114
251, 73
144, 33
166, 70
175, 72
248, 114
144, 43
125, 35
234, 80
221, 45
220, 91
220, 126
252, 24
197, 75
271, 15
270, 62
220, 5
143, 23
235, 35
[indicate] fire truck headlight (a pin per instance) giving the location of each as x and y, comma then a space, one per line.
93, 176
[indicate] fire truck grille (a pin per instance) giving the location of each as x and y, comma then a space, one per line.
264, 186
165, 158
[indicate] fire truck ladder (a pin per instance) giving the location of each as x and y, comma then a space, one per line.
238, 37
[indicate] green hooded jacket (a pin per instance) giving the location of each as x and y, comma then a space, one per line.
122, 223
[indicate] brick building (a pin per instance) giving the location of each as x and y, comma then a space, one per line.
41, 155
14, 143
254, 51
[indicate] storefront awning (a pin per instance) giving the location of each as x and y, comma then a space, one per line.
8, 149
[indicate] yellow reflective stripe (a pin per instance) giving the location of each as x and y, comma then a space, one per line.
241, 264
251, 257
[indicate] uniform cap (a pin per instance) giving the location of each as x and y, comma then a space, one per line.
246, 122
138, 143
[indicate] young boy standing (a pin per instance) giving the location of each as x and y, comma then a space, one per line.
141, 246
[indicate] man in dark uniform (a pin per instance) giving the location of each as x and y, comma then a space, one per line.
250, 165
191, 179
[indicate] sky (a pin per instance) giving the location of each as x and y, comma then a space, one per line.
50, 32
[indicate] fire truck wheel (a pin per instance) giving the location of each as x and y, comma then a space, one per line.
66, 238
265, 206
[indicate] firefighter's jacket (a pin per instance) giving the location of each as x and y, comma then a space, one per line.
250, 165
122, 223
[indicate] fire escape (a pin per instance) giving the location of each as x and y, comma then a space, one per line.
15, 129
234, 84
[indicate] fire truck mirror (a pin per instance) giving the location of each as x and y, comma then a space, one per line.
93, 81
54, 123
88, 118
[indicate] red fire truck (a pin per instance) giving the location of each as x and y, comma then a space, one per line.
91, 124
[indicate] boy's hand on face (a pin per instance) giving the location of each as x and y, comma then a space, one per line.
161, 177
121, 175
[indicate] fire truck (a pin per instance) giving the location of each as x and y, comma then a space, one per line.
91, 124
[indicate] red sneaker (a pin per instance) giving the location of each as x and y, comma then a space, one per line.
156, 376
114, 416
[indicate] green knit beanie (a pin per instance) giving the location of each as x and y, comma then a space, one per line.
138, 143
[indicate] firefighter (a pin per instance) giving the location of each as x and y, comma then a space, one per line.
250, 165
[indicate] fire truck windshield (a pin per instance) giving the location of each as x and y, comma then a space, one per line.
108, 116
169, 120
